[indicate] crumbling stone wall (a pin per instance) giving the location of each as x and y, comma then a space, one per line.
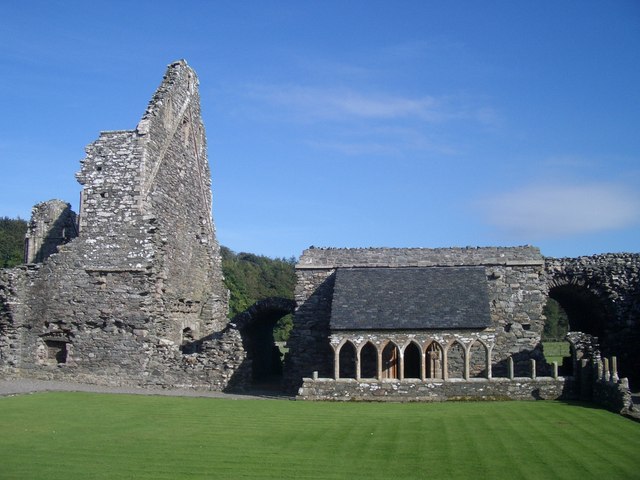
113, 305
52, 224
611, 285
517, 294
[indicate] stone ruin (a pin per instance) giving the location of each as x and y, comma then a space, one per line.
115, 296
130, 292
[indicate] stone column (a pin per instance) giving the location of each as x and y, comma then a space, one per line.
614, 370
358, 367
533, 368
379, 364
510, 365
465, 373
401, 360
445, 364
423, 365
489, 371
336, 363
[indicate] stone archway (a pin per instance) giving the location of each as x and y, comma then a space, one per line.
256, 326
601, 296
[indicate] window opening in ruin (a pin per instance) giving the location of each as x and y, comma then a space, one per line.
347, 360
433, 361
56, 351
412, 361
390, 359
368, 361
189, 344
455, 360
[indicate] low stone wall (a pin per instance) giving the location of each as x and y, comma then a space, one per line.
541, 388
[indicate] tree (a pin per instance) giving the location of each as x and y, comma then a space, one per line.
12, 232
250, 278
557, 324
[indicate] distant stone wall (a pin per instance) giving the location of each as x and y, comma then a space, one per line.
517, 293
437, 391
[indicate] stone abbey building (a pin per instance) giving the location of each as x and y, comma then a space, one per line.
130, 291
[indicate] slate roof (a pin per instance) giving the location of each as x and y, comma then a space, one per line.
410, 298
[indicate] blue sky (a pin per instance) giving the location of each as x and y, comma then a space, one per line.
347, 123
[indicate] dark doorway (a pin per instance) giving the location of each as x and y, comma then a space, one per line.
412, 361
259, 326
347, 359
368, 361
266, 357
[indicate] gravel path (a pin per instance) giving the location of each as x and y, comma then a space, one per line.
22, 386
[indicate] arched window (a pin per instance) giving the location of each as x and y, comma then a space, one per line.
412, 361
390, 361
478, 360
455, 360
433, 361
347, 359
368, 361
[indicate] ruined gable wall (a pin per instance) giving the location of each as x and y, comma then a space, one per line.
114, 300
176, 198
515, 279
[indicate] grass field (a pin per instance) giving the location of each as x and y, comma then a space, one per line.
97, 436
556, 351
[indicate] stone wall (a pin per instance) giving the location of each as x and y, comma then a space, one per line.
546, 388
52, 224
517, 293
607, 289
115, 304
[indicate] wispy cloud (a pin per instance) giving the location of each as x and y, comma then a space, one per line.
386, 140
551, 211
315, 103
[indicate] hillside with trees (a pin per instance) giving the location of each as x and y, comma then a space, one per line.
12, 232
250, 278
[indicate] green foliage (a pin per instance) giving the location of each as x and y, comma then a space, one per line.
81, 435
250, 278
283, 328
557, 323
12, 232
556, 351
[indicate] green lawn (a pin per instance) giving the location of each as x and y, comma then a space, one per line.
556, 351
91, 436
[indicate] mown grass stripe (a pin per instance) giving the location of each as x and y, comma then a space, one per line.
80, 435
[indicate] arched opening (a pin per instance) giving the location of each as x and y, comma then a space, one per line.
433, 361
578, 308
412, 361
368, 361
259, 326
478, 360
571, 308
390, 361
455, 360
347, 359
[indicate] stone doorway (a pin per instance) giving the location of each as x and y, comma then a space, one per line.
265, 355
